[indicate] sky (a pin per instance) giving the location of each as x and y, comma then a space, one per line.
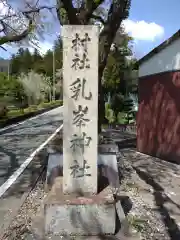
150, 22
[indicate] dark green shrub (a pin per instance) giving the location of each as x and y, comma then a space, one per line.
3, 110
117, 104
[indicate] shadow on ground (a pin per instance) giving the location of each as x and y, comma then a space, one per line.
160, 199
128, 143
156, 173
6, 168
158, 168
28, 178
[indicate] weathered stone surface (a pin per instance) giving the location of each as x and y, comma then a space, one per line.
120, 236
84, 217
107, 164
80, 97
88, 219
125, 227
107, 167
123, 230
76, 215
108, 148
54, 168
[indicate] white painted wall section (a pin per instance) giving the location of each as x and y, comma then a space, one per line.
167, 59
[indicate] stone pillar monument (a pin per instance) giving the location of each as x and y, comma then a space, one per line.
80, 98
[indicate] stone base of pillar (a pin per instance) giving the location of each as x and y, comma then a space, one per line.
73, 215
81, 217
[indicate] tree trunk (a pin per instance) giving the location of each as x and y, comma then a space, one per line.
116, 14
101, 105
50, 97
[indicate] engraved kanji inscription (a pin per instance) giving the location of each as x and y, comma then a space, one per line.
79, 118
78, 89
77, 171
85, 41
80, 63
80, 142
77, 42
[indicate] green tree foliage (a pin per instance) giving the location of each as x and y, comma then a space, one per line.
111, 75
37, 61
16, 62
21, 62
117, 64
117, 102
109, 113
128, 108
58, 49
12, 91
25, 61
48, 63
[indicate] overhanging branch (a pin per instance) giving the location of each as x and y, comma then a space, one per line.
91, 6
117, 13
20, 36
17, 38
98, 18
36, 10
71, 11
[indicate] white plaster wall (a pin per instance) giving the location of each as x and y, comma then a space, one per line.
166, 60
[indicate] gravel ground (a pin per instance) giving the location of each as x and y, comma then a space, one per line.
143, 215
20, 227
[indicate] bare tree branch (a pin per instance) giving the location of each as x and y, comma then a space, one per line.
81, 15
3, 48
117, 13
91, 6
3, 26
36, 10
28, 15
98, 18
16, 38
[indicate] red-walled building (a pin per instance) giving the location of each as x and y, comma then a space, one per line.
158, 119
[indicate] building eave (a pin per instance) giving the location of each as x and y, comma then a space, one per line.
159, 48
